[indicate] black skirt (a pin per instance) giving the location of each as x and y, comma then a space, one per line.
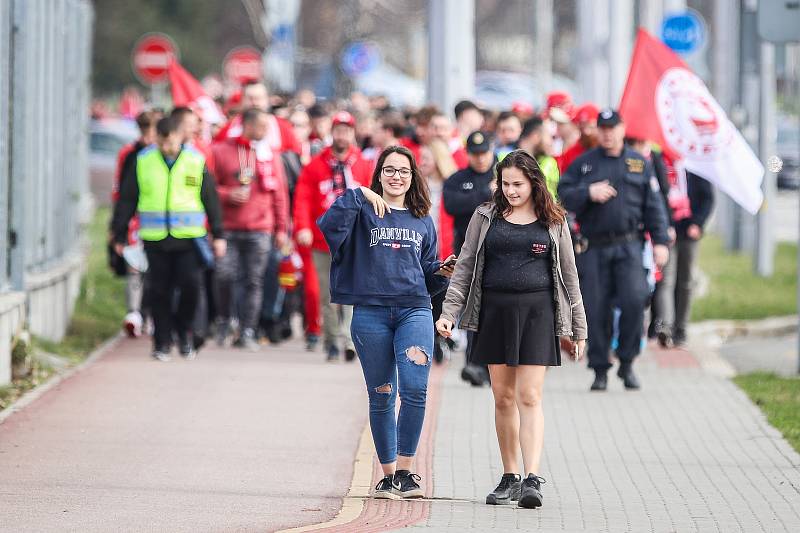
517, 329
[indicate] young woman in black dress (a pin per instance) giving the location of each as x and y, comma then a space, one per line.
516, 285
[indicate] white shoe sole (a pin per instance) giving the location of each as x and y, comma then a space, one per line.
410, 495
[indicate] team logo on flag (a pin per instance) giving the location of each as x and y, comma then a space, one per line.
692, 121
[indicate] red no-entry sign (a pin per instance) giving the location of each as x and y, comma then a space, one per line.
242, 64
151, 57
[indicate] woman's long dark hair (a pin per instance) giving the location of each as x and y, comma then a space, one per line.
417, 200
546, 208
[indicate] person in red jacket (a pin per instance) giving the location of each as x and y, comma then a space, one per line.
135, 300
255, 208
436, 164
334, 170
586, 119
280, 135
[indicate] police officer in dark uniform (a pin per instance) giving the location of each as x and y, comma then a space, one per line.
615, 196
463, 192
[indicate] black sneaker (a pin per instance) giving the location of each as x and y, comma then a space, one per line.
186, 346
311, 342
349, 354
223, 332
629, 379
531, 493
383, 489
600, 382
507, 491
665, 340
161, 355
679, 337
247, 340
333, 353
475, 375
405, 485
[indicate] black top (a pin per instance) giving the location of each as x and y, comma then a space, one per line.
638, 205
517, 257
701, 200
463, 192
128, 201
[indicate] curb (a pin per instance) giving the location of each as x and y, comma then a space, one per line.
37, 392
728, 329
707, 338
354, 501
360, 512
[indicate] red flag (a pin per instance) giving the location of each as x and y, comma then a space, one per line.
187, 91
665, 102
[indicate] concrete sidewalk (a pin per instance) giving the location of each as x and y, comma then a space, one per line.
689, 452
259, 442
232, 441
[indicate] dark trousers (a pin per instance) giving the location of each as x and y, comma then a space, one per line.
242, 268
436, 304
674, 295
272, 294
168, 272
613, 276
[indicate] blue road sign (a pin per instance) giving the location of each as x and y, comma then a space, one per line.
360, 57
684, 32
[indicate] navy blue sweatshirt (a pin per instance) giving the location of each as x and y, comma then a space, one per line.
389, 261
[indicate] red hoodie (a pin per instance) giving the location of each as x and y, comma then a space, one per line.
314, 193
267, 210
570, 155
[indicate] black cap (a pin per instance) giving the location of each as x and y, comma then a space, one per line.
479, 141
608, 118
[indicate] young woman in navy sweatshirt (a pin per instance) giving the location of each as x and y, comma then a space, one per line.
384, 263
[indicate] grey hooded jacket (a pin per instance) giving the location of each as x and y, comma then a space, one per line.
463, 298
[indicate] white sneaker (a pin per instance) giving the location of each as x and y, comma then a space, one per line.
133, 324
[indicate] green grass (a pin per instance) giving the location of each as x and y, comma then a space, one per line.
736, 292
779, 398
101, 305
98, 313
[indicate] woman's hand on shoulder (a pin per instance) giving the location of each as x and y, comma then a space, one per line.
378, 203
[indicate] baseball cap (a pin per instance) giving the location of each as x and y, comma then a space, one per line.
343, 117
521, 108
558, 99
608, 118
586, 113
479, 141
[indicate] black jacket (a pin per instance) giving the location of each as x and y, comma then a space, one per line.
638, 205
701, 199
463, 192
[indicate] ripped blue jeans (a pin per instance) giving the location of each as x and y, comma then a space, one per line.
394, 345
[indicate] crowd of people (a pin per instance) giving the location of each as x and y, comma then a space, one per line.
281, 160
387, 230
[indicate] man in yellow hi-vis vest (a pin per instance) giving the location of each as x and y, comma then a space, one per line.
171, 189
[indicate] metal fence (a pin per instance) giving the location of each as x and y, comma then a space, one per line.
45, 53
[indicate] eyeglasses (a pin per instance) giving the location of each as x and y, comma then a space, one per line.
389, 172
